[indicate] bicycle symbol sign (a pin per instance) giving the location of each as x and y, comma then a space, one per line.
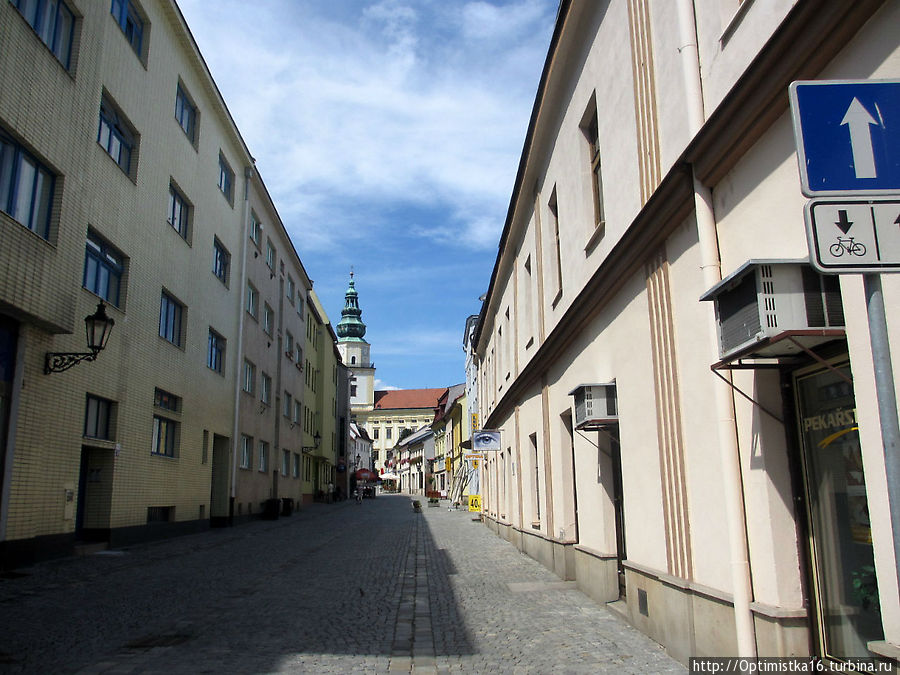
854, 236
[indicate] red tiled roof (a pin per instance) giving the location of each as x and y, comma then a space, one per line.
397, 399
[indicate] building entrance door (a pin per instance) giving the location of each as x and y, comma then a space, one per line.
844, 589
618, 506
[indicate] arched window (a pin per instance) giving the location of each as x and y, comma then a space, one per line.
352, 360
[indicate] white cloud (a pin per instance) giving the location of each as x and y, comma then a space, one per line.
403, 104
381, 386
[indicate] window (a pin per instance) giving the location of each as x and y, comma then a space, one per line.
288, 345
215, 352
263, 461
97, 418
352, 390
296, 418
226, 179
221, 261
166, 401
249, 377
300, 306
255, 228
252, 301
290, 289
116, 135
186, 113
103, 269
165, 433
268, 319
554, 232
299, 355
265, 394
129, 19
179, 212
270, 255
285, 462
296, 468
26, 187
388, 432
171, 319
246, 451
287, 405
53, 21
591, 133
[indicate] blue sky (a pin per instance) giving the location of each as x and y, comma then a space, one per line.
388, 133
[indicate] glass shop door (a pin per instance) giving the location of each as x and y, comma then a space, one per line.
846, 612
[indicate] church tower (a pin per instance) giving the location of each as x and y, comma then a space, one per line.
355, 351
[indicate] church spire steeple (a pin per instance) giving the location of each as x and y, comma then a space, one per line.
351, 327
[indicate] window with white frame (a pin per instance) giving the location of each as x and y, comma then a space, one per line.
54, 23
290, 289
288, 344
265, 392
255, 228
249, 377
179, 215
268, 320
252, 301
285, 462
246, 451
287, 404
226, 179
295, 472
270, 254
26, 187
116, 135
263, 459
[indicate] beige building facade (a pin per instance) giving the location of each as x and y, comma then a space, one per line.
124, 180
727, 496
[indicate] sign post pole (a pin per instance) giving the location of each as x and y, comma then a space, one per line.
887, 401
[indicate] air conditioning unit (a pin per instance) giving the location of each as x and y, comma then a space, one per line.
764, 302
596, 405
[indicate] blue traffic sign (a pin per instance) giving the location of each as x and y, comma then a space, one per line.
848, 136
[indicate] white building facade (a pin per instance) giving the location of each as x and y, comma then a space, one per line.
729, 497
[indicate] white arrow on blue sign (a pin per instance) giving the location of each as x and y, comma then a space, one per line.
848, 136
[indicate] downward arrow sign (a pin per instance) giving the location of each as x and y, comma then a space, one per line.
843, 223
858, 119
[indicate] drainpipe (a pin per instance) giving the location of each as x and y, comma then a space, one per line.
238, 364
711, 269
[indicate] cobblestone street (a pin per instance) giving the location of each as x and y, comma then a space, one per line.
333, 589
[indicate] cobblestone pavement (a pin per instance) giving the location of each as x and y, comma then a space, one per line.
343, 588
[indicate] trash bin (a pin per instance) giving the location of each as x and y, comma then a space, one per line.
287, 506
270, 512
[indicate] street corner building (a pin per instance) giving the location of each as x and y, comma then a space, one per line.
688, 414
124, 182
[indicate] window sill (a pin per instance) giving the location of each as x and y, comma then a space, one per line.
736, 20
100, 443
599, 232
556, 299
